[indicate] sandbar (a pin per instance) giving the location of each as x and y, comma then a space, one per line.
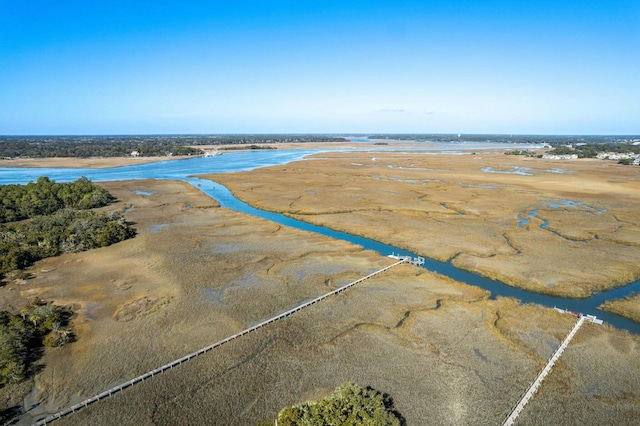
84, 163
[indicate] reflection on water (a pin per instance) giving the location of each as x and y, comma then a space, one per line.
514, 170
571, 203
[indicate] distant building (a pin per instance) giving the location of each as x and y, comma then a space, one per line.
617, 156
135, 153
560, 157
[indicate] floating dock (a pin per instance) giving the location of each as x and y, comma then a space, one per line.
591, 318
417, 261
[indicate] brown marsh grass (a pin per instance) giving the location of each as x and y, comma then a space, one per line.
565, 228
446, 353
629, 307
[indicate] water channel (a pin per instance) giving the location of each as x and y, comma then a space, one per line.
183, 169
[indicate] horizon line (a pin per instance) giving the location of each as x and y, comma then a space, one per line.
333, 134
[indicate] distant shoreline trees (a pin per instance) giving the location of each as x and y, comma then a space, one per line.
592, 150
146, 146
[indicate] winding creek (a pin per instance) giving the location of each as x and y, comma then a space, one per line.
239, 161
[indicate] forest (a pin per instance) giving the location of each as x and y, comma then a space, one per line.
123, 146
47, 219
45, 196
53, 218
94, 146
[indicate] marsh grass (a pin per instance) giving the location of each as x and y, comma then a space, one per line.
629, 307
593, 238
446, 353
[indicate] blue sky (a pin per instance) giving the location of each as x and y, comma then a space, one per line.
125, 67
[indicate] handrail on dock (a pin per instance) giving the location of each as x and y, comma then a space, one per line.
179, 361
545, 371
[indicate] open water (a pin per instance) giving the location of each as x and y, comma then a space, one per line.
247, 160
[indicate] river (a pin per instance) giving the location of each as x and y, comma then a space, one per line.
247, 160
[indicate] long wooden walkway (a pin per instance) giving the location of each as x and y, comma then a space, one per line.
204, 350
545, 371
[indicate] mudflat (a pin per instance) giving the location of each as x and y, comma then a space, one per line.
566, 228
90, 163
197, 273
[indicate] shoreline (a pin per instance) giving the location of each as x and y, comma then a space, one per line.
627, 307
448, 210
112, 162
470, 256
82, 163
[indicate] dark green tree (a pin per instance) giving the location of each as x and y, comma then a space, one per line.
348, 405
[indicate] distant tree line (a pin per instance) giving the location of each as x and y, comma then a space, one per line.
122, 146
85, 147
58, 221
553, 140
591, 150
251, 147
259, 139
22, 335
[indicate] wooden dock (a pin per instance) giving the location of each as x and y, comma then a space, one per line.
204, 350
545, 371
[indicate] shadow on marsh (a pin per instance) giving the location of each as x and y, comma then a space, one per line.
9, 416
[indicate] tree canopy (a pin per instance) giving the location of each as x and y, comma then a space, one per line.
348, 405
21, 336
45, 196
58, 221
65, 231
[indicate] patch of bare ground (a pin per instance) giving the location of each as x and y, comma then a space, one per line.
629, 307
565, 228
446, 353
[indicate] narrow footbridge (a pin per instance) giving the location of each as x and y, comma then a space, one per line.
547, 368
204, 350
